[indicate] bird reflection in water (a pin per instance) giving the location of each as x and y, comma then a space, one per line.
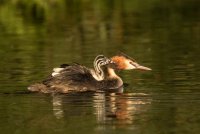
57, 106
117, 108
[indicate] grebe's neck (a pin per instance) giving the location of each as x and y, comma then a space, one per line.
98, 73
111, 75
110, 81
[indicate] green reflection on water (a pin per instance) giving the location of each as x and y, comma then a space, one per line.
37, 35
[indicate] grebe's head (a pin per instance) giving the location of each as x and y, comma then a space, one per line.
124, 62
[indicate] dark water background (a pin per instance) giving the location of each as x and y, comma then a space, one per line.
37, 35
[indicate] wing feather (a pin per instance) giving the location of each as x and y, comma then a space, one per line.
72, 74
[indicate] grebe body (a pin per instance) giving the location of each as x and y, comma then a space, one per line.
78, 78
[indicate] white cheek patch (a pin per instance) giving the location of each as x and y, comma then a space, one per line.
129, 66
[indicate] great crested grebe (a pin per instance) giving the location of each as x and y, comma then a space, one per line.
78, 78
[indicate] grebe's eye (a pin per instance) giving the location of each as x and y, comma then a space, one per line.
132, 63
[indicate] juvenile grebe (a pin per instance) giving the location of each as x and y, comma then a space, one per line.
77, 78
97, 72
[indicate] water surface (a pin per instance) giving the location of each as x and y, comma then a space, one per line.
38, 35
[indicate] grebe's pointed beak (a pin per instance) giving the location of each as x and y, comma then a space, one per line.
143, 68
139, 67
